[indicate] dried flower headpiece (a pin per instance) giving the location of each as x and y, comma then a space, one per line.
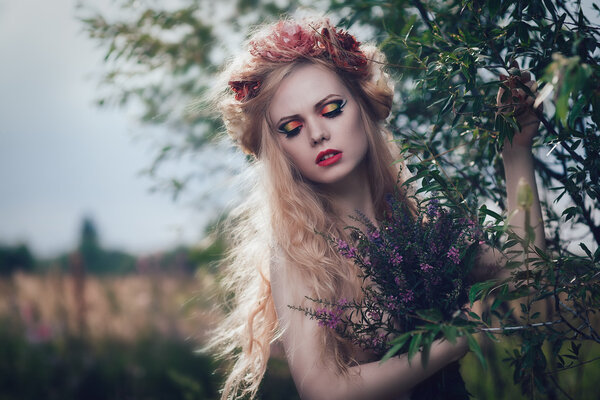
288, 41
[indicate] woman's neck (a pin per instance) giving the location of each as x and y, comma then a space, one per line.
352, 194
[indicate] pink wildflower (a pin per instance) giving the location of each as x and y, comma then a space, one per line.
454, 255
425, 267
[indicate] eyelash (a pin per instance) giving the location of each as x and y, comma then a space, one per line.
296, 125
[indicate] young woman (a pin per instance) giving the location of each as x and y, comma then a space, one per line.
308, 103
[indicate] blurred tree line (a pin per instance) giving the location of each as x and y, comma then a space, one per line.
90, 256
446, 57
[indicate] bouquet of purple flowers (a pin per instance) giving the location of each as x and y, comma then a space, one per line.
415, 270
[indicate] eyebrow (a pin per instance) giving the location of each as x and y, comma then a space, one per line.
318, 105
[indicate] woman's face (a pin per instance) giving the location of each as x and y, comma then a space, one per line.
318, 124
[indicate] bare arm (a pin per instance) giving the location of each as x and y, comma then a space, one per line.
518, 166
317, 378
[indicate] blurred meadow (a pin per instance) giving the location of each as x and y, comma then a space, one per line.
134, 333
72, 329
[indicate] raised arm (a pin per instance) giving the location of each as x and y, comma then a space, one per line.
518, 167
317, 378
518, 158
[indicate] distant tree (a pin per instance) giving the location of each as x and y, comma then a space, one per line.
97, 260
16, 258
89, 245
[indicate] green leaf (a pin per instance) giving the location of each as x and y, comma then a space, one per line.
587, 251
480, 289
414, 345
484, 210
450, 333
397, 345
430, 315
474, 347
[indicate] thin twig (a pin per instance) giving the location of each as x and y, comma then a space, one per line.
521, 327
593, 333
573, 366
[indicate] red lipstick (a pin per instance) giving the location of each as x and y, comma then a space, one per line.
328, 157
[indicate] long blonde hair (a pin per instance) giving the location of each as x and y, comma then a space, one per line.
283, 211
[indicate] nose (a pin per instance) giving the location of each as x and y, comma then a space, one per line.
318, 134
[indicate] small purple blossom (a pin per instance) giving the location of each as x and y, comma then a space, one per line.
433, 208
329, 318
426, 267
454, 255
392, 302
377, 340
346, 250
374, 235
407, 296
396, 258
374, 315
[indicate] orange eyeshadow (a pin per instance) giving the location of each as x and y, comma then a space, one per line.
330, 107
290, 126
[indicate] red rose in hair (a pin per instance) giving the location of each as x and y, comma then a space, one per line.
244, 89
347, 41
346, 52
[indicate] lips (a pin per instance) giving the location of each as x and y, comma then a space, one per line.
328, 157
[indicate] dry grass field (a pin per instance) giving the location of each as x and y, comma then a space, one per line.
122, 307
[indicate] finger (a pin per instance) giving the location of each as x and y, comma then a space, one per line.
534, 86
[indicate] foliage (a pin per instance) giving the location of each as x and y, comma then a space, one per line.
153, 367
447, 56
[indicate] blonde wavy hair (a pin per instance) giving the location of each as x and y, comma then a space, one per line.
283, 212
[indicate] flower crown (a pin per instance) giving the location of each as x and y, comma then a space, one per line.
289, 41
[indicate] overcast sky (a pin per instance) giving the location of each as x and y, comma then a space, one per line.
61, 157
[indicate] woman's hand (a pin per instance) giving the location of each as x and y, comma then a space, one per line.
520, 103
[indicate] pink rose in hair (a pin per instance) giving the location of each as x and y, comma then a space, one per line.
287, 42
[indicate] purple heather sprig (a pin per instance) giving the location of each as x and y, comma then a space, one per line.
414, 264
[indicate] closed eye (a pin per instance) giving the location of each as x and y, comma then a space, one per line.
333, 109
290, 128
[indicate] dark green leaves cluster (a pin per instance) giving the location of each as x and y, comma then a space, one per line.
448, 57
